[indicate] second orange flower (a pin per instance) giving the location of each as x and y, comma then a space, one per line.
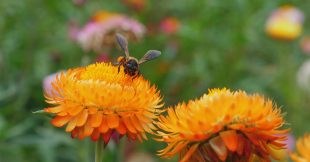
222, 126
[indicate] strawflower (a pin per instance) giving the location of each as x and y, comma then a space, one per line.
96, 101
99, 33
222, 126
303, 148
285, 23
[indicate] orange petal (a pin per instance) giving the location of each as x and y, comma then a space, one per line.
178, 147
255, 158
92, 110
135, 121
190, 152
252, 138
219, 147
230, 138
56, 109
145, 119
80, 133
113, 120
62, 114
95, 135
81, 118
209, 152
106, 136
96, 119
236, 126
103, 128
121, 128
139, 138
247, 150
240, 147
71, 125
143, 136
60, 121
129, 125
88, 130
131, 136
147, 128
277, 154
266, 136
75, 110
74, 133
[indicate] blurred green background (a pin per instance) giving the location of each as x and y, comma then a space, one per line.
219, 44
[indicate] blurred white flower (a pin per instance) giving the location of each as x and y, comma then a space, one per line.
303, 75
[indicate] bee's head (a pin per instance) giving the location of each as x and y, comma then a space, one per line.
121, 59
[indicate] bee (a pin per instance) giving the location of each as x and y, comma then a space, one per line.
131, 64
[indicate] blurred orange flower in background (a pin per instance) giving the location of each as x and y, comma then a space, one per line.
285, 23
102, 16
97, 101
137, 5
223, 126
303, 148
305, 45
170, 25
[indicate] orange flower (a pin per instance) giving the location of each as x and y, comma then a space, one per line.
222, 126
137, 5
170, 25
96, 101
102, 16
303, 147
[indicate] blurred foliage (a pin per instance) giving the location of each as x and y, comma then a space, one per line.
220, 44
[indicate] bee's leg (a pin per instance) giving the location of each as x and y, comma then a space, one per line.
119, 68
136, 75
126, 70
133, 77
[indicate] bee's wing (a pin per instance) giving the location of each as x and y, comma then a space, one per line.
150, 55
122, 41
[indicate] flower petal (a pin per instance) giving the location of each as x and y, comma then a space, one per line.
230, 138
96, 119
60, 121
219, 147
82, 117
112, 120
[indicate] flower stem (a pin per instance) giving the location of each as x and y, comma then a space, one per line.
99, 150
121, 149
